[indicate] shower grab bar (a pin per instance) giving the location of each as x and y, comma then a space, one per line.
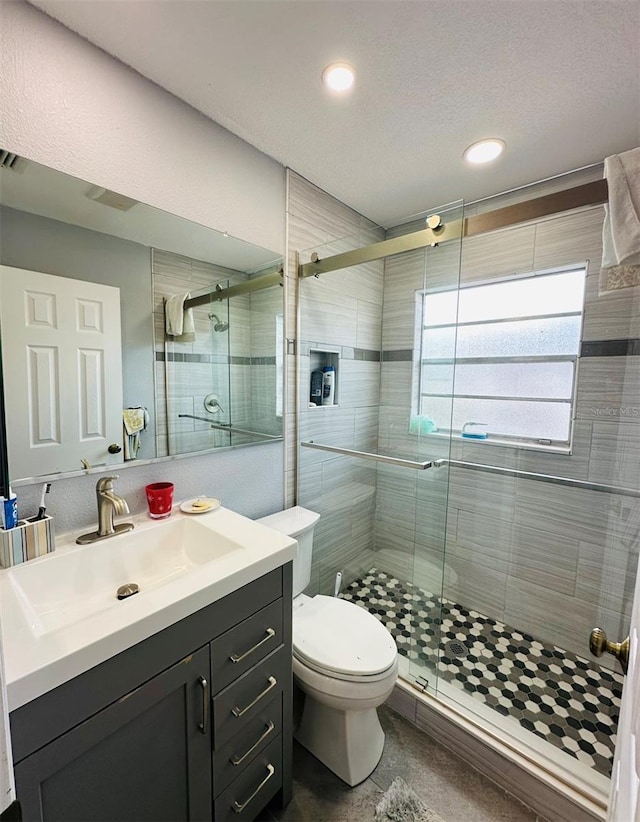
232, 429
531, 475
477, 466
365, 455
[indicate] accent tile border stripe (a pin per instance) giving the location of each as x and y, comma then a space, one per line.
212, 358
405, 355
629, 347
346, 352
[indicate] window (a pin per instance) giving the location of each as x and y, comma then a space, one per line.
506, 353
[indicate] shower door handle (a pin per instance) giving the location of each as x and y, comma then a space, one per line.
599, 644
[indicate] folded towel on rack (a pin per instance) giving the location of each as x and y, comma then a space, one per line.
134, 420
621, 228
178, 321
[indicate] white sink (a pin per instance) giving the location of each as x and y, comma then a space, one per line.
60, 616
70, 586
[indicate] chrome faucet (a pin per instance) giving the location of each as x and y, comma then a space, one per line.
109, 504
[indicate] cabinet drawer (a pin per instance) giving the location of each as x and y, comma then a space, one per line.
255, 786
247, 643
236, 754
243, 700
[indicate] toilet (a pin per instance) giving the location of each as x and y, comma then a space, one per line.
344, 660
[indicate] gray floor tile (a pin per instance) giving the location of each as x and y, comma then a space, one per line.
320, 796
446, 784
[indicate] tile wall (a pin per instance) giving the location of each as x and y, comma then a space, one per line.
238, 364
340, 313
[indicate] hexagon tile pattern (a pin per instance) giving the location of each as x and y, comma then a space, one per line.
569, 701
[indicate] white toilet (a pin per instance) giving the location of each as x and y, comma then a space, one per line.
344, 660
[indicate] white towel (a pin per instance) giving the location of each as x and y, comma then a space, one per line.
621, 230
134, 421
178, 322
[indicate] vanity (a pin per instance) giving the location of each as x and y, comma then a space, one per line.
173, 704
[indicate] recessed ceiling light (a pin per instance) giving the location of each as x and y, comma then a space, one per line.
338, 77
484, 151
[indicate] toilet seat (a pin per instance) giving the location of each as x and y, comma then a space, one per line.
342, 640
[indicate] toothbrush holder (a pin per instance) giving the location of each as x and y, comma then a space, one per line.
27, 540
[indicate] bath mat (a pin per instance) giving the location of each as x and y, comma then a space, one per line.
401, 804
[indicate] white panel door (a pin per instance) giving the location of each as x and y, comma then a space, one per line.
625, 779
61, 352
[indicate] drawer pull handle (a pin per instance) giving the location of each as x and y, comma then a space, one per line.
237, 807
238, 760
203, 726
235, 658
240, 711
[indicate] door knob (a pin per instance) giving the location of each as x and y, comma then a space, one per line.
599, 644
114, 448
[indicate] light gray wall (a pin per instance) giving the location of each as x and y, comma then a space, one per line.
246, 480
40, 244
69, 105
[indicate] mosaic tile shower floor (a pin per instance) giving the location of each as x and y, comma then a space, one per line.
568, 701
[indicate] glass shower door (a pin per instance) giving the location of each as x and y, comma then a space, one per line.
543, 523
431, 358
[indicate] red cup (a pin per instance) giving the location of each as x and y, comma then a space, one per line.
159, 499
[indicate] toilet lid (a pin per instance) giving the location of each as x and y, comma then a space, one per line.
340, 637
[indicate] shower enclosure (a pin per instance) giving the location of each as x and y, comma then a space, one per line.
219, 386
477, 474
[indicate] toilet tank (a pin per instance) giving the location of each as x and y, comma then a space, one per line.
298, 523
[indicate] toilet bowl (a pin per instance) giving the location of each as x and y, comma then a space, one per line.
344, 660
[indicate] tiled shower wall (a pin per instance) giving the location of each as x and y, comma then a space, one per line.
194, 369
553, 561
261, 412
340, 313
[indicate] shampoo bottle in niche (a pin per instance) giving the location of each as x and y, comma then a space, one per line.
328, 384
315, 396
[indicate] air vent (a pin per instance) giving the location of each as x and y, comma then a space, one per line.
110, 198
11, 161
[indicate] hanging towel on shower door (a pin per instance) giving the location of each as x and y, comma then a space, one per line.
134, 420
179, 323
621, 229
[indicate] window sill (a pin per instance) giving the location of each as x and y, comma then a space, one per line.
503, 443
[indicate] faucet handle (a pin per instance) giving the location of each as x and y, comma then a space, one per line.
106, 483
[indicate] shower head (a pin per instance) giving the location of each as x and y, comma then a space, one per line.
219, 326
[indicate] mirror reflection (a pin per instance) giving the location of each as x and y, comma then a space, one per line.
94, 372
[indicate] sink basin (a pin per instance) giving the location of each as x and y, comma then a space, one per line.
69, 586
60, 615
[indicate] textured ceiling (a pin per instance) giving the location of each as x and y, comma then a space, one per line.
558, 80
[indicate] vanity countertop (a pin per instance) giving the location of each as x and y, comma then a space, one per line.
36, 660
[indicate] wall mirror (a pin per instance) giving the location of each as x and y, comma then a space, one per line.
76, 259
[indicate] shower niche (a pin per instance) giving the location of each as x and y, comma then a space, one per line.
324, 371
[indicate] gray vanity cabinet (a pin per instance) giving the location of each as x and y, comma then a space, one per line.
144, 758
194, 723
